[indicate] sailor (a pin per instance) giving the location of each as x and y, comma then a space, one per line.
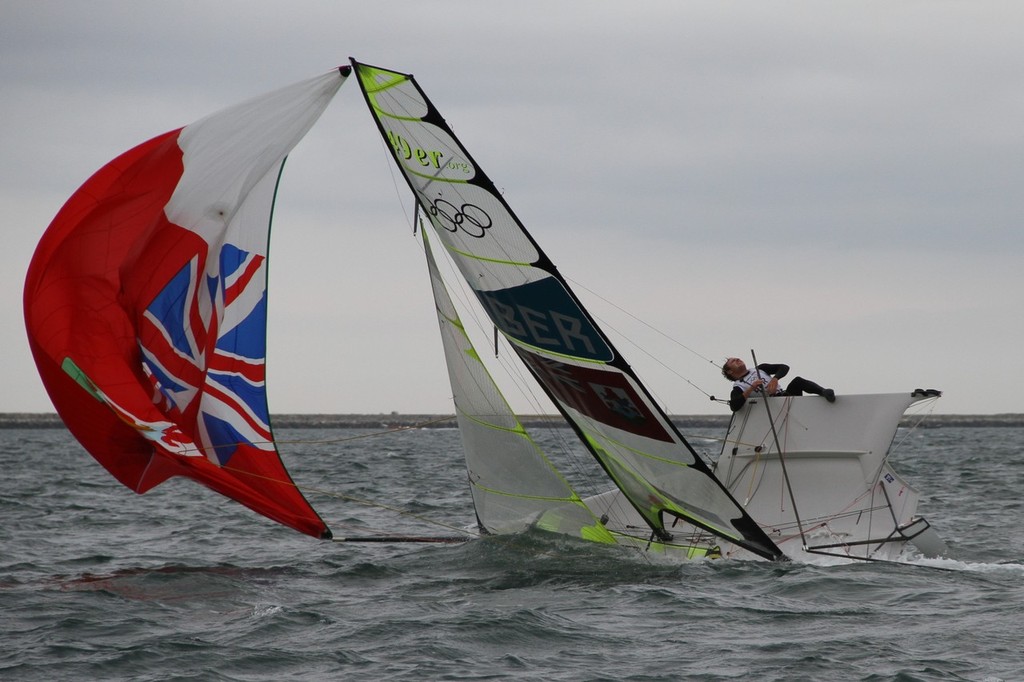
765, 379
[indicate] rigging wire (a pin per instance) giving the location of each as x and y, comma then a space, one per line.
914, 425
661, 333
398, 190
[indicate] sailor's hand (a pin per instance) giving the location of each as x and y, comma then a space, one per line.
756, 385
773, 386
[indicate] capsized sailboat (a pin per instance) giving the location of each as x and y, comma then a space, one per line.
145, 305
665, 497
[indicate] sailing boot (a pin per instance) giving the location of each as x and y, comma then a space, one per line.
814, 388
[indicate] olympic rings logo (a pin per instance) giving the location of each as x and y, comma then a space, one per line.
470, 218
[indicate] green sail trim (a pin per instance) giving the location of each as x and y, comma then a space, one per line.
392, 78
470, 256
518, 429
551, 522
597, 533
688, 550
372, 87
436, 178
81, 378
628, 480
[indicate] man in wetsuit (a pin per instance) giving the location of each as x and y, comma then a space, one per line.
766, 379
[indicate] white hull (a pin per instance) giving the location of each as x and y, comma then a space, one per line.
831, 492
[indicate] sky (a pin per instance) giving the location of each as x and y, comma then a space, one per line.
835, 186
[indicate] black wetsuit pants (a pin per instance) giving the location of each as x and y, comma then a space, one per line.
799, 386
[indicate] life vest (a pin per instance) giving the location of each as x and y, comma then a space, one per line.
753, 375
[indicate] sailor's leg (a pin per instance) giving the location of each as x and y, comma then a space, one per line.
799, 386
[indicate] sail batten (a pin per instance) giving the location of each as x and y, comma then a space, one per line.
560, 343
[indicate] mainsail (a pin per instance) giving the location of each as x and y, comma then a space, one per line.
532, 305
145, 304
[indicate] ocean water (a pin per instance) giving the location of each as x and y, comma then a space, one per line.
98, 583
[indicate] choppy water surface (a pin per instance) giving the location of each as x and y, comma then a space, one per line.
99, 583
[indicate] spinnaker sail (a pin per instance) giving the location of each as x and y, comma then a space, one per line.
534, 308
146, 302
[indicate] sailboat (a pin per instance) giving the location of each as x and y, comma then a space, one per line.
145, 305
841, 495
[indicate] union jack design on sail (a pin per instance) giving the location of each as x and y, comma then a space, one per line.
146, 304
228, 383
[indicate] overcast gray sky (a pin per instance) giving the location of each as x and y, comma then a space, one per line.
836, 185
